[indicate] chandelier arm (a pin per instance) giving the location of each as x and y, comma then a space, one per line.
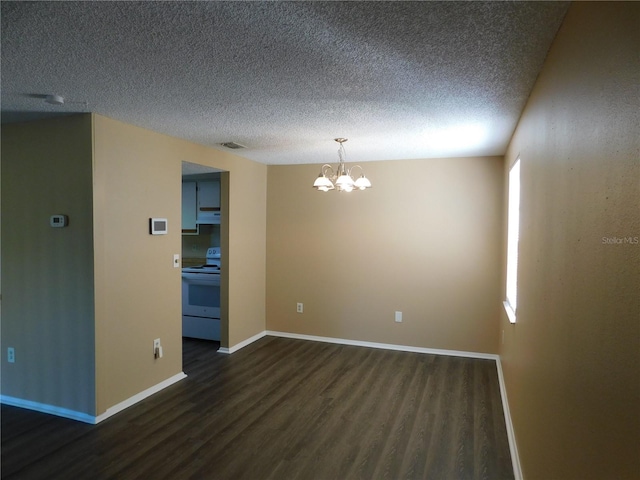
325, 168
354, 166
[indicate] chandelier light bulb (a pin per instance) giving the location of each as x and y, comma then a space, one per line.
362, 183
344, 181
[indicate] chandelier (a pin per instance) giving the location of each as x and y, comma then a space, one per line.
340, 179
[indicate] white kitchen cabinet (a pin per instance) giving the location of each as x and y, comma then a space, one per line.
208, 202
189, 207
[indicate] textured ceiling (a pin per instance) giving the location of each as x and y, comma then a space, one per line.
399, 79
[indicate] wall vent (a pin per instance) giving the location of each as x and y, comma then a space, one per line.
232, 145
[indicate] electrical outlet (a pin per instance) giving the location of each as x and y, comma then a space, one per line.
399, 317
11, 355
300, 308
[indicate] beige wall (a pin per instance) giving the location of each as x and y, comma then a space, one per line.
425, 240
47, 273
246, 187
82, 305
137, 175
572, 360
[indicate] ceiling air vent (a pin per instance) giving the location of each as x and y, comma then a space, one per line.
232, 145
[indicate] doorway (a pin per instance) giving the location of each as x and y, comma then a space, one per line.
205, 196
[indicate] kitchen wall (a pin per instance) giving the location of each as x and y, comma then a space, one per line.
572, 361
194, 247
426, 240
47, 273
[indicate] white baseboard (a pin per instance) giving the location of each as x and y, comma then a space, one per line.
513, 448
242, 344
385, 346
45, 408
139, 397
84, 417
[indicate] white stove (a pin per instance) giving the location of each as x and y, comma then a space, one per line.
201, 298
212, 264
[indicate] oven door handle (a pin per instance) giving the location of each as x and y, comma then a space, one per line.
202, 278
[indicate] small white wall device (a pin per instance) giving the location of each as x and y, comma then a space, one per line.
158, 226
58, 221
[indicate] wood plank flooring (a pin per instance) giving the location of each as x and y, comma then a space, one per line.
283, 409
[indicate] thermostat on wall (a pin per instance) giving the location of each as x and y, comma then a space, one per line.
158, 226
58, 220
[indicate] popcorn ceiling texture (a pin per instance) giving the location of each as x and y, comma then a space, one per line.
399, 79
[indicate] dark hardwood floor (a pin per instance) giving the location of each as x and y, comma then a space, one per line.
283, 409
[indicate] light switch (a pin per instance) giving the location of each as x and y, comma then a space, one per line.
176, 260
